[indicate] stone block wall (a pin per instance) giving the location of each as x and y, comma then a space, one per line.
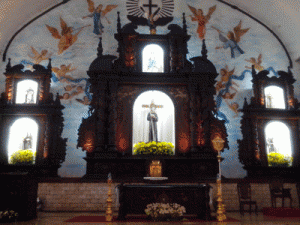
92, 196
75, 196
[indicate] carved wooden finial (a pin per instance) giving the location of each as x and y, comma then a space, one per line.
184, 23
57, 99
118, 23
245, 103
8, 65
253, 71
290, 71
49, 67
204, 50
100, 48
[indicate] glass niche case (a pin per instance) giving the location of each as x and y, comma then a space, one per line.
31, 122
270, 127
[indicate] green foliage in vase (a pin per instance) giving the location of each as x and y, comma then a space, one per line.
22, 157
278, 159
153, 148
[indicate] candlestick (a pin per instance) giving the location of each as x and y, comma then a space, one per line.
109, 215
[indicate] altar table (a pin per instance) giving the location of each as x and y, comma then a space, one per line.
133, 199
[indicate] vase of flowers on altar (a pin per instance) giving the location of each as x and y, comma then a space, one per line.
22, 157
279, 160
165, 211
153, 148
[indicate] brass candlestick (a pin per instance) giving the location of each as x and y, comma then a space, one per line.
218, 144
221, 207
109, 215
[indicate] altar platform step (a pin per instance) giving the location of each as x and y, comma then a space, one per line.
47, 218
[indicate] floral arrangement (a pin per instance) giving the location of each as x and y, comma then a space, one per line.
278, 159
153, 148
8, 215
22, 157
165, 211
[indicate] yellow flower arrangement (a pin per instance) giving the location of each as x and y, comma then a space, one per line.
22, 157
8, 216
278, 159
153, 148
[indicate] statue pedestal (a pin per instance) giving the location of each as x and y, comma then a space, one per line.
156, 178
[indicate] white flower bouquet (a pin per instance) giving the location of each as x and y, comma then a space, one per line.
165, 211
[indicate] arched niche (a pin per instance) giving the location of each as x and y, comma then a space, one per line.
26, 92
153, 59
166, 117
278, 138
274, 97
22, 135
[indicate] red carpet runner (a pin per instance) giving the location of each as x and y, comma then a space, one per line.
281, 212
101, 219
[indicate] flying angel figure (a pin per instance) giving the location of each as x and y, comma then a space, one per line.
98, 14
39, 57
226, 79
201, 19
62, 71
66, 38
256, 64
234, 38
84, 101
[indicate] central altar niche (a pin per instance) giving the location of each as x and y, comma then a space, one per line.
151, 74
162, 126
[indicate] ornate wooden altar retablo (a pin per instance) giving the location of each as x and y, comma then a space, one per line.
154, 64
273, 103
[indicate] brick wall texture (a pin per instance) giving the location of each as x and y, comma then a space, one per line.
92, 196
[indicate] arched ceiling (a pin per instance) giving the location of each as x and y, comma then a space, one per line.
282, 16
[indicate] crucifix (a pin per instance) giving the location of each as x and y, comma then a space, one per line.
152, 118
150, 16
150, 6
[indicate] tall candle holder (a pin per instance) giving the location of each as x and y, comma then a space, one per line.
218, 145
109, 215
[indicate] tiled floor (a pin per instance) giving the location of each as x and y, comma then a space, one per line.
59, 218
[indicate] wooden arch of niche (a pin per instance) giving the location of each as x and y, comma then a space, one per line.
124, 123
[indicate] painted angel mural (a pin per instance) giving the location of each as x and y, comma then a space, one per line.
232, 39
61, 73
74, 86
255, 62
201, 19
98, 14
227, 89
257, 65
66, 37
39, 57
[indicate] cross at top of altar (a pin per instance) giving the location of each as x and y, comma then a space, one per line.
152, 105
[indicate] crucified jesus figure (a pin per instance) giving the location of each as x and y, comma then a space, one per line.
152, 118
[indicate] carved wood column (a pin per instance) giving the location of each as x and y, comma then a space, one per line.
193, 113
112, 115
101, 96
